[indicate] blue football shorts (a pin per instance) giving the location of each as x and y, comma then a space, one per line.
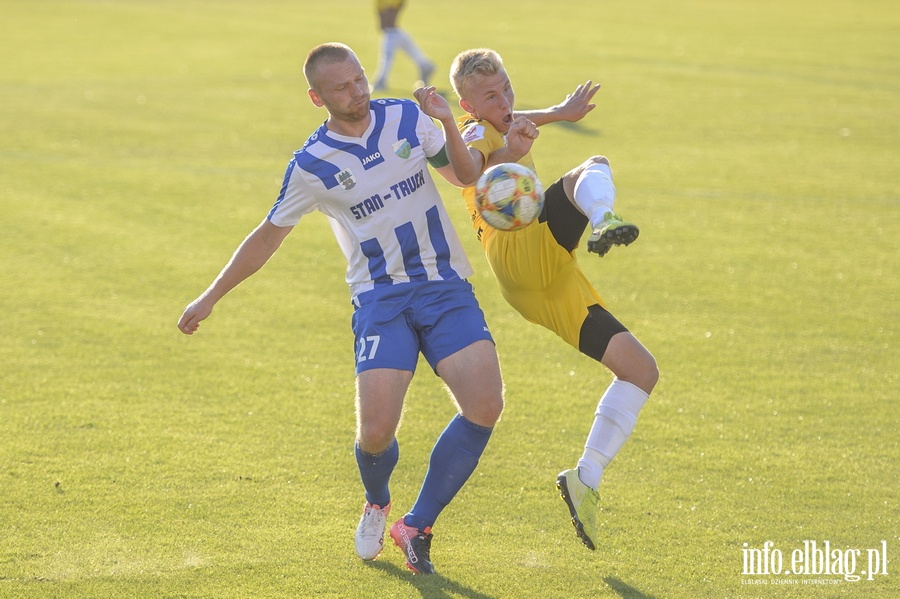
392, 325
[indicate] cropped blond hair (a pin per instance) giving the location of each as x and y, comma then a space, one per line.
478, 62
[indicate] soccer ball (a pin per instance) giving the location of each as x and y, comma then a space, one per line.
509, 196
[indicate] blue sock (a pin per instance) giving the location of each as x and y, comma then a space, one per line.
453, 460
376, 470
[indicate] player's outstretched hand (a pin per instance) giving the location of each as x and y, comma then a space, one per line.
578, 103
433, 104
195, 312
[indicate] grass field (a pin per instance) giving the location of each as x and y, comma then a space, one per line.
756, 144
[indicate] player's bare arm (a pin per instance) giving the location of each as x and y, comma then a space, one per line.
574, 108
250, 256
462, 170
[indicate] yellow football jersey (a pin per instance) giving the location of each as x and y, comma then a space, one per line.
537, 276
482, 136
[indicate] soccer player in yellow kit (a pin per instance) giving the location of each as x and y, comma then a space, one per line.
536, 266
392, 38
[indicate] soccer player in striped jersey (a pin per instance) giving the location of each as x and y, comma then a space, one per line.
536, 266
366, 168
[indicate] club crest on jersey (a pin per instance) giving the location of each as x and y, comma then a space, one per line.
402, 148
346, 179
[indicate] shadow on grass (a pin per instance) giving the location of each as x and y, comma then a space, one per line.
577, 128
433, 586
625, 590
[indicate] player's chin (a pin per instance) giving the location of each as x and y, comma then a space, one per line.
358, 112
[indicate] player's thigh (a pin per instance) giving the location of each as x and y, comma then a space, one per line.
388, 11
384, 338
566, 222
630, 361
456, 342
597, 330
473, 376
379, 405
448, 318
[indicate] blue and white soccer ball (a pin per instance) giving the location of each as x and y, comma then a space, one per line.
509, 196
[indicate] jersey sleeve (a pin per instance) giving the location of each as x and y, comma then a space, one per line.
430, 135
294, 201
480, 136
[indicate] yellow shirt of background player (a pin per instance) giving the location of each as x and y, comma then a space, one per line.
482, 136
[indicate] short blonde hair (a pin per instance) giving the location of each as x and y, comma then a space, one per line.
478, 62
330, 52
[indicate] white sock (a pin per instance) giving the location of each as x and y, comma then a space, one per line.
389, 42
614, 421
405, 41
595, 193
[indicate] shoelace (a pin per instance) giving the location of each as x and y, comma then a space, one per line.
370, 526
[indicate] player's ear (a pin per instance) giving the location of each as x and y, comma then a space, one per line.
315, 98
464, 104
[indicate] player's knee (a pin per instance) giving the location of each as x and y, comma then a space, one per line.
494, 406
571, 178
593, 160
375, 437
484, 410
642, 373
596, 160
648, 375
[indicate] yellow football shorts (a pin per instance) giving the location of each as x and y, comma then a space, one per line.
541, 279
381, 5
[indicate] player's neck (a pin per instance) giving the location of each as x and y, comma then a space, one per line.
349, 128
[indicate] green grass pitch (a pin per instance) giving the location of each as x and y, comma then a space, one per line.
755, 143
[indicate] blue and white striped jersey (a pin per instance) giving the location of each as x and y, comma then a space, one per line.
377, 191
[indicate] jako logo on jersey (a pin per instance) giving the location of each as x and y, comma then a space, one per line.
402, 148
371, 158
346, 179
